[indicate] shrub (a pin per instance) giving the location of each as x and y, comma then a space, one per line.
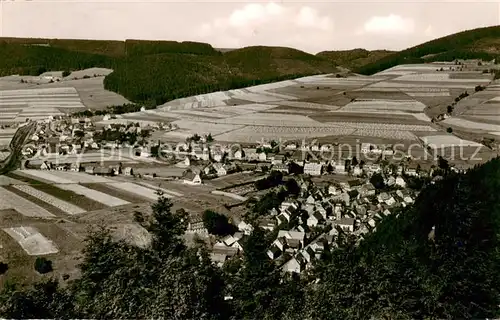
449, 130
66, 73
3, 267
217, 224
42, 265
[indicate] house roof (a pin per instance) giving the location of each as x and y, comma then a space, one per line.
346, 221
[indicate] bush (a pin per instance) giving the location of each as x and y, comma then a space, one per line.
42, 265
217, 224
66, 73
449, 130
3, 267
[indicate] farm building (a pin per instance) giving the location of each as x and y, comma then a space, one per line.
161, 172
312, 168
192, 178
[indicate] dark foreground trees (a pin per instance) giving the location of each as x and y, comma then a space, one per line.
395, 272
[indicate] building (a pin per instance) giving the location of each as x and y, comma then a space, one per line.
192, 178
312, 168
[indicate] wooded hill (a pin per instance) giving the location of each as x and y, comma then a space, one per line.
480, 43
154, 72
398, 272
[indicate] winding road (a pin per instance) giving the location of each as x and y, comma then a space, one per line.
16, 146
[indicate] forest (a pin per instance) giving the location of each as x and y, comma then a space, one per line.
398, 271
480, 43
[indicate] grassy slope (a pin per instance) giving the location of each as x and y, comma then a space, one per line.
355, 58
481, 43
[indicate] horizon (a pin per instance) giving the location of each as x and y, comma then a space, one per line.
307, 26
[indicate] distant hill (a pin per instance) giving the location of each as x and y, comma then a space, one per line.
354, 58
481, 43
154, 72
156, 79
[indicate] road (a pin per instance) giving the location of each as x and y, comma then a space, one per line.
16, 146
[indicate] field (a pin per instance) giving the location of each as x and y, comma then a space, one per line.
395, 104
38, 97
50, 212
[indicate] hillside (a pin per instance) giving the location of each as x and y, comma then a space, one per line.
481, 43
398, 272
355, 58
154, 72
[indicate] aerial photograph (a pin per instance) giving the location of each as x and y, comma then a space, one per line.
238, 160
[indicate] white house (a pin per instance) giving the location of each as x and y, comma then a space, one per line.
340, 169
244, 227
238, 155
192, 178
293, 265
401, 182
312, 168
357, 171
221, 170
262, 156
346, 224
314, 219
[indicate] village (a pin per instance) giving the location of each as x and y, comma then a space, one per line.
303, 197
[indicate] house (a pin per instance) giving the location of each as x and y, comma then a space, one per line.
262, 156
238, 154
291, 146
244, 227
192, 178
251, 154
346, 224
294, 265
273, 252
293, 235
405, 196
357, 171
400, 182
314, 219
196, 225
333, 190
44, 166
220, 169
367, 190
312, 168
365, 148
267, 224
280, 167
278, 159
340, 169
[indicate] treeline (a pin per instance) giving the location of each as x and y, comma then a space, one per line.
156, 79
436, 259
117, 109
154, 72
470, 44
145, 47
34, 60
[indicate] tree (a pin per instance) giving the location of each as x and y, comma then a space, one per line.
66, 73
377, 180
292, 187
449, 109
42, 265
443, 164
209, 138
3, 268
354, 161
449, 130
217, 224
294, 168
79, 134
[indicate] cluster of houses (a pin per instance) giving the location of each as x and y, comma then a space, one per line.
312, 221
